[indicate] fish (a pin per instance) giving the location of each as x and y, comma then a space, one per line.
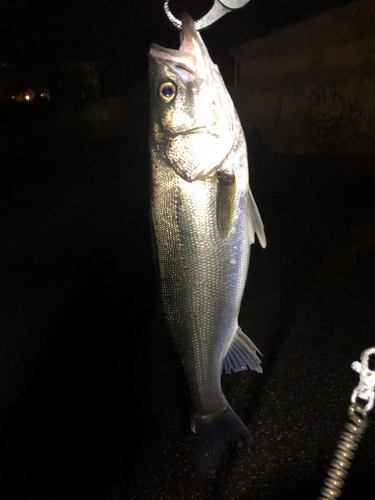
203, 220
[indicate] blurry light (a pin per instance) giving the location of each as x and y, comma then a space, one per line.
12, 96
27, 97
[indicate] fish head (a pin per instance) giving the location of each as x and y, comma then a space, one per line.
193, 120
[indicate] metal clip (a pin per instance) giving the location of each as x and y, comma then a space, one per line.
365, 389
218, 10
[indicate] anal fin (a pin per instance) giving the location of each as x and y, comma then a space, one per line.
241, 354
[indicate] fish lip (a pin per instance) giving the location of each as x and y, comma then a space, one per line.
154, 47
188, 34
196, 130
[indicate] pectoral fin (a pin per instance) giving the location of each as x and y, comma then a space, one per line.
254, 222
226, 202
242, 354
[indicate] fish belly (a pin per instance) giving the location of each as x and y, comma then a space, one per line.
202, 278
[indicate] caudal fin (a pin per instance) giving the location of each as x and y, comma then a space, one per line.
213, 434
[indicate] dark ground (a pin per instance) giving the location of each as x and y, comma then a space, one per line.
93, 401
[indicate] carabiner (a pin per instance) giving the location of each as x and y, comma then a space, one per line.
365, 389
218, 10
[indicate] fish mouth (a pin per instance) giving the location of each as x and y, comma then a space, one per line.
176, 59
168, 54
191, 53
195, 130
187, 36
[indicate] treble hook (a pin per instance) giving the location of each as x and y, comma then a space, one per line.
218, 10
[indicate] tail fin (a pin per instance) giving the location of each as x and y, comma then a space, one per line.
213, 434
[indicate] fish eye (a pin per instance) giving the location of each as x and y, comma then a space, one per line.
167, 91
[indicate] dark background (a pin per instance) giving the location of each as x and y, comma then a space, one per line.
93, 402
118, 32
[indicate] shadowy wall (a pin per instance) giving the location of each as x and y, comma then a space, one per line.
310, 88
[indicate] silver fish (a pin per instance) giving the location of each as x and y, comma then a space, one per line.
204, 218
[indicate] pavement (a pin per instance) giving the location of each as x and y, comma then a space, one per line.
93, 401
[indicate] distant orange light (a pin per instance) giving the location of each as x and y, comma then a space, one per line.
27, 97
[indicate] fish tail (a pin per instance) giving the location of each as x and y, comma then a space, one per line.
213, 435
